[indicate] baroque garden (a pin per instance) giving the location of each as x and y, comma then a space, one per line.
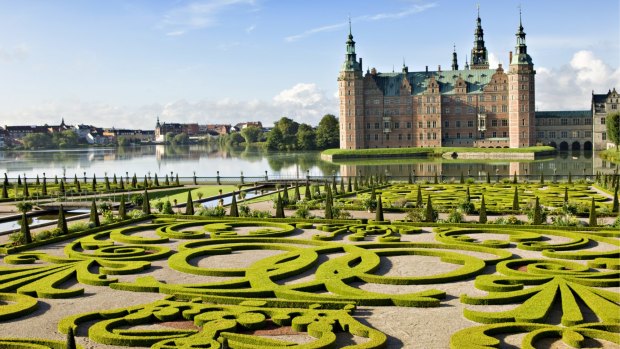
356, 262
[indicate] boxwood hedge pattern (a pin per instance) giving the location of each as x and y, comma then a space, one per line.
222, 326
498, 196
570, 274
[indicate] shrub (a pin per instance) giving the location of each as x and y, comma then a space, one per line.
302, 212
167, 208
467, 207
134, 214
565, 220
510, 220
455, 216
159, 205
136, 199
416, 214
260, 214
369, 204
217, 211
244, 211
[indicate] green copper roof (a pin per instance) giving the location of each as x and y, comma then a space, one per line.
476, 79
563, 114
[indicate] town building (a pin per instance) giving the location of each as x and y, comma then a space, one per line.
602, 105
133, 136
193, 130
475, 106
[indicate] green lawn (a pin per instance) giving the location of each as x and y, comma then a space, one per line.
343, 153
181, 194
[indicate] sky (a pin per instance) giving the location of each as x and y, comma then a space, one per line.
124, 63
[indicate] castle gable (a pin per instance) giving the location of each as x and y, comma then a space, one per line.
475, 79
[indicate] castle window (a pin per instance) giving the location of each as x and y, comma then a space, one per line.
409, 137
400, 137
428, 99
458, 123
613, 106
386, 124
377, 125
504, 134
471, 135
434, 135
349, 126
457, 110
504, 97
428, 136
458, 100
469, 99
504, 122
434, 124
420, 125
458, 135
470, 123
493, 122
482, 109
602, 121
564, 122
588, 134
587, 121
575, 121
434, 110
470, 110
541, 134
376, 137
522, 122
551, 134
368, 125
408, 124
575, 134
428, 124
494, 109
481, 135
494, 89
481, 98
446, 123
447, 110
428, 110
421, 136
396, 125
504, 108
564, 134
387, 136
494, 134
367, 137
604, 136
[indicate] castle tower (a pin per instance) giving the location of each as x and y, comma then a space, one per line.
455, 63
350, 89
479, 55
521, 99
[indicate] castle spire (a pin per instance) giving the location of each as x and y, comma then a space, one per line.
350, 61
455, 64
479, 55
521, 56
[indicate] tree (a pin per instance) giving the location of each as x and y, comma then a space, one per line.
614, 206
379, 212
514, 178
537, 218
565, 197
44, 187
328, 132
181, 138
418, 202
592, 218
308, 193
329, 214
70, 339
306, 137
25, 229
37, 140
429, 214
482, 218
612, 121
62, 221
542, 178
297, 196
146, 205
94, 215
287, 126
94, 184
156, 180
26, 191
251, 134
275, 140
61, 186
5, 192
189, 207
462, 180
515, 200
234, 210
279, 207
122, 209
65, 139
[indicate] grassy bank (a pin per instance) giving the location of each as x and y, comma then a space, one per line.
338, 154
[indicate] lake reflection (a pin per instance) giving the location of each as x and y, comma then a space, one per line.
206, 160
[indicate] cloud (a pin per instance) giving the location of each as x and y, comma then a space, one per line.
18, 53
571, 85
198, 15
413, 9
303, 102
493, 60
250, 29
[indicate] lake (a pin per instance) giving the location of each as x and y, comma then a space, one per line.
206, 160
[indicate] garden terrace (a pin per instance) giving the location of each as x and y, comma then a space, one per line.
164, 281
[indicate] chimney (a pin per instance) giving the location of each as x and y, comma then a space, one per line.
510, 56
427, 68
361, 63
439, 68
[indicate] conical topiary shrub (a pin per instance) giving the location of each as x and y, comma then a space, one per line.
70, 339
565, 203
279, 207
62, 221
515, 200
189, 207
176, 180
26, 190
462, 180
5, 192
418, 202
514, 178
122, 208
329, 214
25, 229
429, 215
297, 196
61, 187
94, 184
482, 218
44, 187
537, 217
614, 206
156, 181
94, 215
308, 193
146, 205
592, 218
379, 212
234, 210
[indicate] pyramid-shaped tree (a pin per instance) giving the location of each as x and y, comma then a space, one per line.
189, 207
62, 221
94, 215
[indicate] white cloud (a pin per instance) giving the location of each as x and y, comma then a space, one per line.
18, 53
571, 85
493, 60
304, 102
198, 15
250, 29
413, 9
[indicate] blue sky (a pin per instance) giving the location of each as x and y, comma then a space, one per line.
122, 63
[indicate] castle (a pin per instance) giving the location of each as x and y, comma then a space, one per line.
475, 106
